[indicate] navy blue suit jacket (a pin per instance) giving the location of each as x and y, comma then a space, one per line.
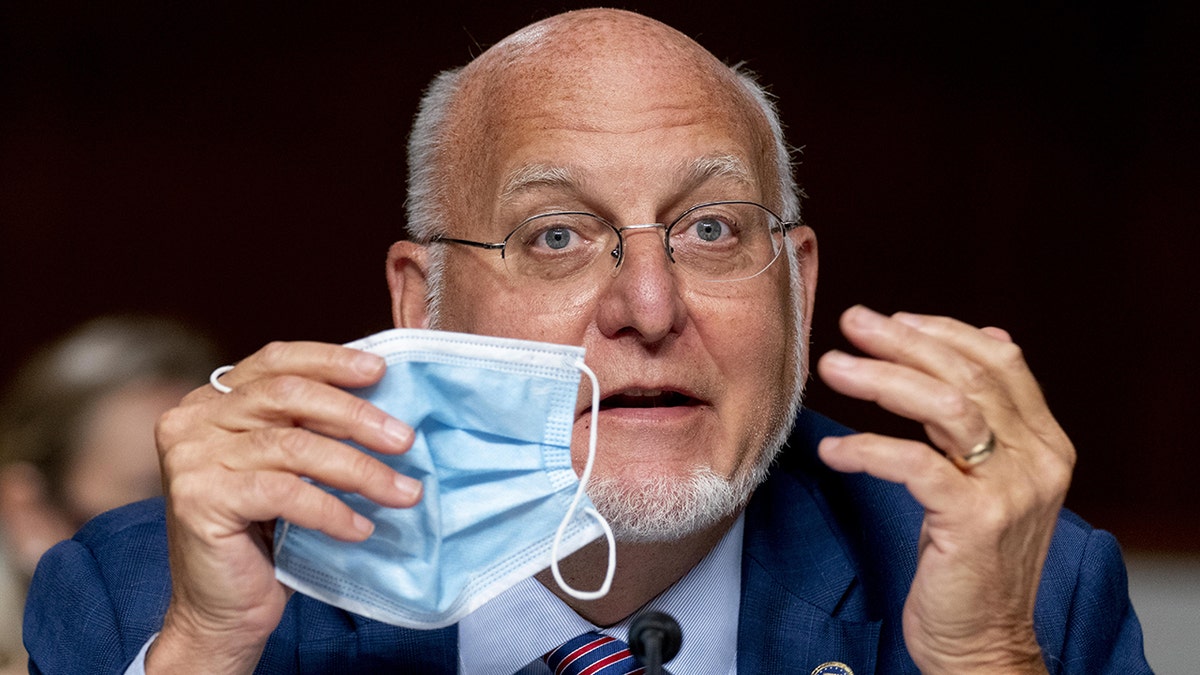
827, 562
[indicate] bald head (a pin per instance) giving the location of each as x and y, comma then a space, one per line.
596, 71
609, 53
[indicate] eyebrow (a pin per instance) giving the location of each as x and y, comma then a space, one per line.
696, 172
718, 166
535, 176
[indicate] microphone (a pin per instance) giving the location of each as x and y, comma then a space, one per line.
654, 639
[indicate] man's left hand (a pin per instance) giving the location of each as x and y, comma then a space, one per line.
987, 525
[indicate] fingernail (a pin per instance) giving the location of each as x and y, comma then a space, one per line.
398, 432
908, 319
368, 363
838, 359
362, 524
409, 488
865, 316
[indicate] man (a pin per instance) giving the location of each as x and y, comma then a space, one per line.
700, 363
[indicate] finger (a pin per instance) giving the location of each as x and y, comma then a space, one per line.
325, 460
262, 496
953, 422
993, 347
893, 340
334, 364
289, 448
289, 400
932, 481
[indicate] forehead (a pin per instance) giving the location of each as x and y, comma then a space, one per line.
711, 168
605, 107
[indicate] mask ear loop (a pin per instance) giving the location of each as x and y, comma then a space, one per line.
579, 492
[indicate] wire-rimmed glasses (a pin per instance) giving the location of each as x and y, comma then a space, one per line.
716, 241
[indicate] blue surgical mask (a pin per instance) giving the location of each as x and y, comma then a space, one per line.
493, 419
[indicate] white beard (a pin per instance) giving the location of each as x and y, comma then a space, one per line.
666, 508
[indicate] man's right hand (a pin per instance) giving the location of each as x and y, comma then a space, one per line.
233, 463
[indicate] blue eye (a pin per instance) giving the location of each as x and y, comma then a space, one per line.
709, 229
557, 238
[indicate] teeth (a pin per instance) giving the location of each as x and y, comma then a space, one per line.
644, 392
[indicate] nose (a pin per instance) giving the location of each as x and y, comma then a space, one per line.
643, 297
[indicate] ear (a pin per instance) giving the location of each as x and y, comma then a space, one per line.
408, 273
29, 520
804, 241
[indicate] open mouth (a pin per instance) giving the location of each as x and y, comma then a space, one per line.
647, 398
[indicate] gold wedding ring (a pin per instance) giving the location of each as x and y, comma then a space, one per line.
977, 455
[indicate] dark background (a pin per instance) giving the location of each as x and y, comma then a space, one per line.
1027, 165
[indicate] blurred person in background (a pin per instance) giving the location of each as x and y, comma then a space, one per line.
77, 439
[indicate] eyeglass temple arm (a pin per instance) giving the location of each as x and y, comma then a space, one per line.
477, 244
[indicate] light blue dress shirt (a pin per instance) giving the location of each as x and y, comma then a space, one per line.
511, 632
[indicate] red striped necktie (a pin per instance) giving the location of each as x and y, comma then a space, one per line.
592, 654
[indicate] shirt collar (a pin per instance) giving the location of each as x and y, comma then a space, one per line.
526, 621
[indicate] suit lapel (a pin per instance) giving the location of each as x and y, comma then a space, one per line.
802, 603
